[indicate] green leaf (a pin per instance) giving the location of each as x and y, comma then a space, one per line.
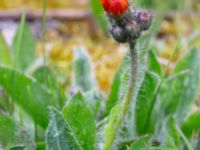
145, 103
17, 148
13, 136
94, 99
5, 102
25, 140
185, 140
141, 144
41, 145
179, 95
5, 55
83, 74
162, 148
113, 124
46, 77
24, 46
98, 13
28, 93
81, 121
59, 135
191, 124
172, 136
116, 87
7, 130
153, 64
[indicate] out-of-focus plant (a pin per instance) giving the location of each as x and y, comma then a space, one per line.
169, 4
98, 13
145, 109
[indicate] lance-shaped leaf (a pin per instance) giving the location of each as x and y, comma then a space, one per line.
153, 64
28, 93
5, 55
179, 95
145, 105
82, 122
171, 134
24, 46
83, 72
121, 75
59, 135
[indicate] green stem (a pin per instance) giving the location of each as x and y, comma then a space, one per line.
128, 97
101, 122
132, 79
44, 29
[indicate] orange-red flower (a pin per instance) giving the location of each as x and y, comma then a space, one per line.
115, 7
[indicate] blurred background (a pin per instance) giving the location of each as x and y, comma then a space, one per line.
82, 23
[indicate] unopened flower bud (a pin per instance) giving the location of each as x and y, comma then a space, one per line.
133, 29
118, 34
144, 18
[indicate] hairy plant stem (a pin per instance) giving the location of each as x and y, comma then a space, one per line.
132, 79
128, 96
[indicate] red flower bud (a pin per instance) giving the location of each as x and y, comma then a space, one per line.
115, 7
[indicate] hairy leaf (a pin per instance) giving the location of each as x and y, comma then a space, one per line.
117, 85
178, 95
81, 121
145, 103
59, 135
94, 99
28, 93
83, 73
172, 136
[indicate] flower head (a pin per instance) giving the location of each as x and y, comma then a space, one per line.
115, 7
144, 18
